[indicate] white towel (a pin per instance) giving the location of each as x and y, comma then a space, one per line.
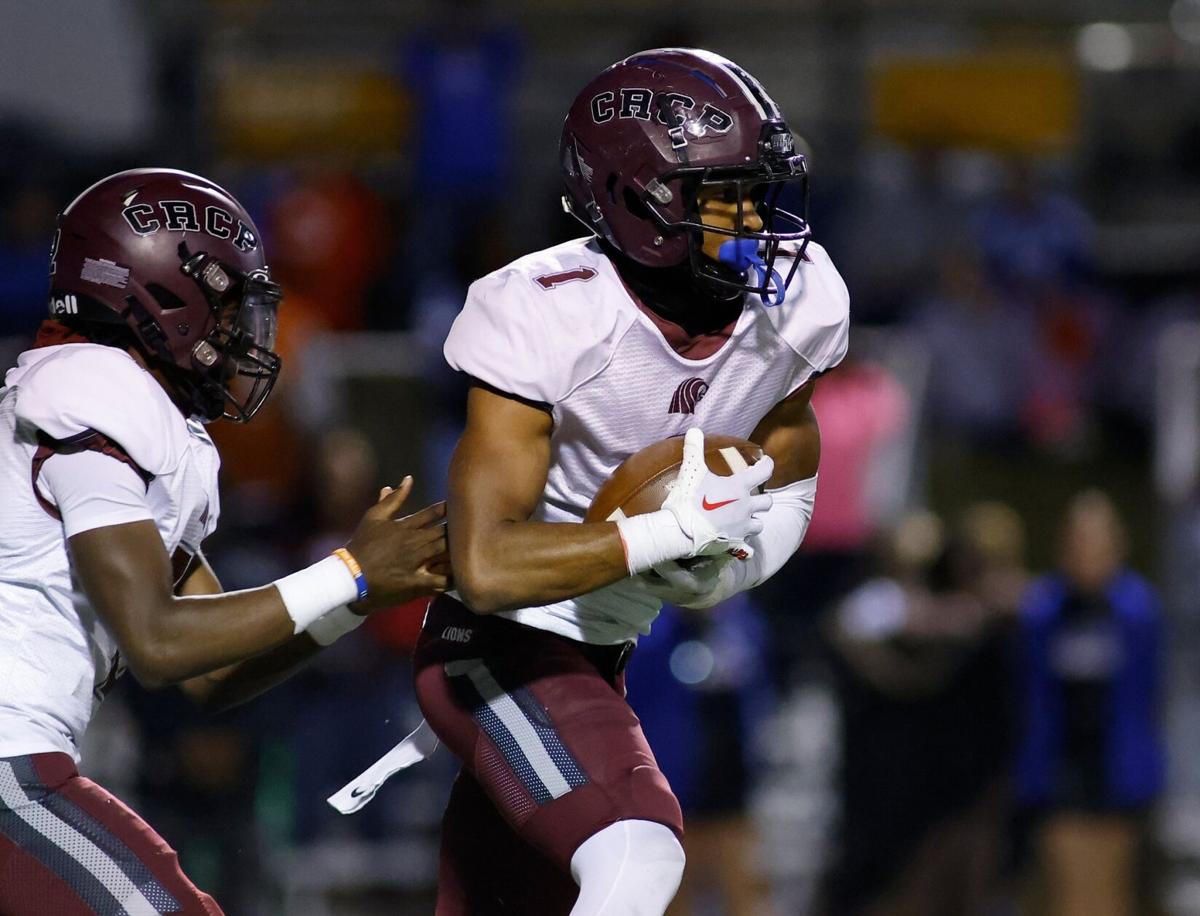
360, 790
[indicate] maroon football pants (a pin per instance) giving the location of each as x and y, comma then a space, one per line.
70, 848
551, 754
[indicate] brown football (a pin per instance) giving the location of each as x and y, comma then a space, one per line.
639, 484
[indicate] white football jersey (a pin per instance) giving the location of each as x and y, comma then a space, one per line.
559, 327
56, 657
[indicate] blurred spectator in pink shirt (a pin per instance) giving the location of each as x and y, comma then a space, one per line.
864, 411
862, 408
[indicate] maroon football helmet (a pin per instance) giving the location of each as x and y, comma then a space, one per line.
176, 260
646, 135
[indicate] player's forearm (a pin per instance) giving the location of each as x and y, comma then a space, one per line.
236, 684
513, 565
192, 636
166, 639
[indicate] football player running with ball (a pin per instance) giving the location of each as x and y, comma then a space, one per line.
162, 318
697, 303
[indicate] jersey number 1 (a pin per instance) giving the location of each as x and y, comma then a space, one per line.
549, 281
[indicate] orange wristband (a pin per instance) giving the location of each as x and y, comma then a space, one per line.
360, 578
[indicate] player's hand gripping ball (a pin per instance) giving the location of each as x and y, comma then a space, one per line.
642, 481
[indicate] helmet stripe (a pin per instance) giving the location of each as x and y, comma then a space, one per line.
756, 88
736, 74
79, 197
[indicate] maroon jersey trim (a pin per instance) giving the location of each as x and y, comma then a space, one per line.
89, 440
696, 347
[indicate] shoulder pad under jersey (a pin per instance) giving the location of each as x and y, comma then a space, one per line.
814, 319
73, 389
543, 325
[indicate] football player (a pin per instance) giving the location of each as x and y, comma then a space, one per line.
162, 318
697, 302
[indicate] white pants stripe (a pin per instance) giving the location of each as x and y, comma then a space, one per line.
99, 864
512, 718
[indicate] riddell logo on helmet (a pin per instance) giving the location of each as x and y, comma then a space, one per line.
67, 305
183, 216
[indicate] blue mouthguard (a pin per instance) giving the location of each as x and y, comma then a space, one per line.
742, 255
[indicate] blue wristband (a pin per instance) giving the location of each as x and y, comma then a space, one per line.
360, 578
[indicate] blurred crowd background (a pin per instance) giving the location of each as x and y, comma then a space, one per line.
974, 691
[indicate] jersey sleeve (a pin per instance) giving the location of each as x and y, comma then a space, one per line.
816, 323
535, 340
88, 389
91, 489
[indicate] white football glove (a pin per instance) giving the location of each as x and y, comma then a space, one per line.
718, 513
695, 585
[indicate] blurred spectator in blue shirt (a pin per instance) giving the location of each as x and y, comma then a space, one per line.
1091, 760
461, 71
1033, 238
982, 349
1037, 248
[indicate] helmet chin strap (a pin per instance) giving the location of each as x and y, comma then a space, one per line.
742, 255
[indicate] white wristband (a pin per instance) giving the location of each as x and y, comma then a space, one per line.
329, 628
651, 539
313, 592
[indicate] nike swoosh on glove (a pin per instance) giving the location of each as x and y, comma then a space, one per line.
718, 513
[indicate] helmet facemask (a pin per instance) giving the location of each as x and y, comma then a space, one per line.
747, 265
235, 365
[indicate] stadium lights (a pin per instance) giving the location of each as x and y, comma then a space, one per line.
1106, 46
1185, 20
